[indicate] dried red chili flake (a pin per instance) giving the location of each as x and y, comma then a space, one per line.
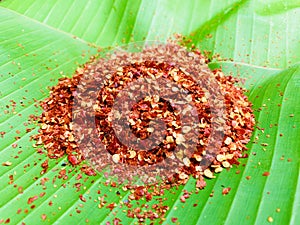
82, 198
266, 174
79, 176
77, 185
14, 145
148, 196
17, 138
73, 159
32, 199
29, 130
130, 214
111, 206
45, 164
44, 216
19, 211
200, 183
20, 189
88, 170
2, 133
174, 219
113, 184
7, 163
117, 221
62, 173
43, 171
11, 179
182, 198
225, 191
139, 192
44, 180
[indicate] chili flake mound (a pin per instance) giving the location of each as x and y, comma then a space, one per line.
156, 112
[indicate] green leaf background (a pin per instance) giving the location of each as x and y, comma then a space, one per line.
41, 41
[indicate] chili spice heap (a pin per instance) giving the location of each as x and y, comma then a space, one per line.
205, 129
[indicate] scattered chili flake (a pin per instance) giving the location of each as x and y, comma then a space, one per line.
62, 173
14, 145
82, 198
182, 198
73, 159
28, 130
111, 206
32, 199
7, 163
44, 216
117, 221
225, 191
20, 189
79, 176
88, 171
174, 219
11, 178
266, 174
45, 164
2, 133
78, 211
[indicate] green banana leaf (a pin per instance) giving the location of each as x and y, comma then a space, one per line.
259, 41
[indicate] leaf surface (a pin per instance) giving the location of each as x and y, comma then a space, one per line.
42, 41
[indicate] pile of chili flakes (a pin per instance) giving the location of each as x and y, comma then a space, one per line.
57, 129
